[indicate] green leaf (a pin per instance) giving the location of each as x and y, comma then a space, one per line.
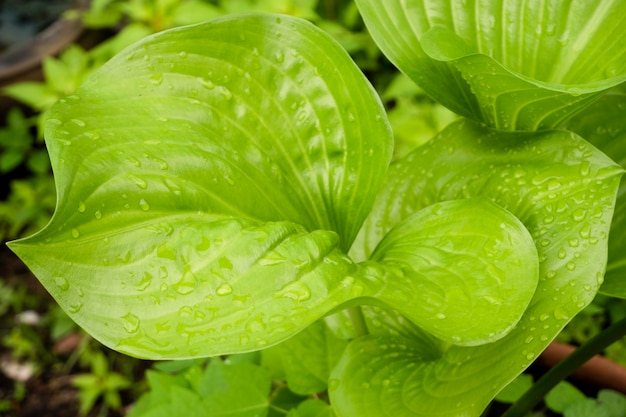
237, 390
584, 408
462, 270
209, 179
308, 358
613, 401
37, 95
604, 125
504, 64
561, 188
563, 396
312, 408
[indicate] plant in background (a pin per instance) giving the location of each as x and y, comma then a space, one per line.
221, 190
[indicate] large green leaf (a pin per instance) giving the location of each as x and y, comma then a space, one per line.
561, 188
207, 178
508, 64
604, 125
463, 270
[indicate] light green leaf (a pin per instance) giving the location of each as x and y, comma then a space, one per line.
585, 408
208, 180
614, 402
561, 188
604, 125
237, 390
312, 408
503, 63
308, 358
37, 95
563, 396
462, 270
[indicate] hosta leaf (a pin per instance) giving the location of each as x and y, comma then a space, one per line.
561, 188
462, 270
604, 125
208, 178
506, 64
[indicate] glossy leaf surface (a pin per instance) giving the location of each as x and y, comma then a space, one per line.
561, 188
466, 268
207, 180
604, 125
507, 64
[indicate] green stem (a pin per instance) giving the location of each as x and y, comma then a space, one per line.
563, 369
358, 321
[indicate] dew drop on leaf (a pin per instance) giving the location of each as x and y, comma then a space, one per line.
143, 204
224, 289
75, 233
185, 311
131, 323
62, 283
295, 290
81, 207
75, 308
138, 182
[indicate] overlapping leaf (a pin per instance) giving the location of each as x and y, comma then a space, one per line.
561, 188
462, 270
604, 125
207, 179
507, 64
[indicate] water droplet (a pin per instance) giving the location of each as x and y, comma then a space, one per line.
440, 316
131, 323
75, 308
145, 281
570, 266
228, 95
208, 84
182, 54
295, 290
156, 79
560, 313
185, 311
138, 182
529, 339
75, 233
544, 317
81, 207
143, 204
224, 289
62, 283
78, 122
280, 57
97, 214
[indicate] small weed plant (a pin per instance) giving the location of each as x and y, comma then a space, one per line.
226, 188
